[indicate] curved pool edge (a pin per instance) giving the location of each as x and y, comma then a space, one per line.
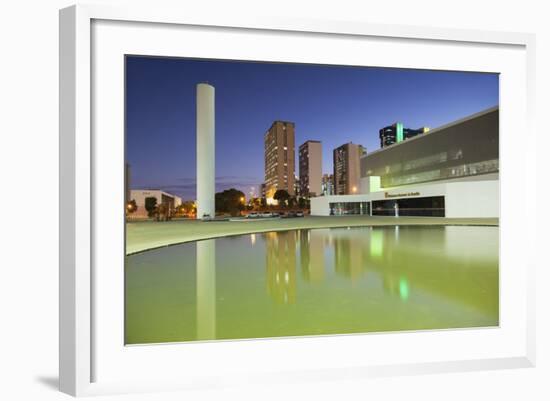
176, 238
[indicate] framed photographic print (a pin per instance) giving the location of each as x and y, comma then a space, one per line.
266, 200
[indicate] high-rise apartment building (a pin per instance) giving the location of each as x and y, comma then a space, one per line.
346, 162
262, 190
396, 133
310, 162
279, 158
327, 184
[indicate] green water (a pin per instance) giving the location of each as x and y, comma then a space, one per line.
309, 282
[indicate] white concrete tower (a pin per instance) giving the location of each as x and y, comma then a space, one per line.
206, 289
206, 151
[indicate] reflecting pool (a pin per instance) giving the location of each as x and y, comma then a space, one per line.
311, 282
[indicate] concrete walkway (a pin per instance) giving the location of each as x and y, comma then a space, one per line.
141, 236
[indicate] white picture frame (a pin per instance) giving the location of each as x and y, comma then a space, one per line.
79, 313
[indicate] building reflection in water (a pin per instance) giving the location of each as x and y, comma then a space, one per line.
403, 289
356, 251
402, 261
437, 260
359, 250
349, 253
394, 255
281, 266
312, 254
376, 243
384, 250
206, 289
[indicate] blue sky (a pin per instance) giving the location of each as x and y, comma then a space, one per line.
333, 104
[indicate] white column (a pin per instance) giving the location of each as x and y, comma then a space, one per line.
206, 289
206, 152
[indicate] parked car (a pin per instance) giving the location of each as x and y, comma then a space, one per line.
253, 215
291, 214
299, 213
265, 214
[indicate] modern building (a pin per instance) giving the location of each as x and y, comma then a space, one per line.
140, 195
296, 185
279, 157
346, 165
396, 133
327, 184
310, 162
452, 172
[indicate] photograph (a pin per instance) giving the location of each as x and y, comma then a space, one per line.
274, 199
268, 201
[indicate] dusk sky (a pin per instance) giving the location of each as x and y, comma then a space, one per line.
332, 104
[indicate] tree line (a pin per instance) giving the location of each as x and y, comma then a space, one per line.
230, 201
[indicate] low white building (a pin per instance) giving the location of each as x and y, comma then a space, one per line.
452, 171
477, 198
139, 195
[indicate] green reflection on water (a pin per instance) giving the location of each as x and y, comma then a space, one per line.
307, 282
403, 288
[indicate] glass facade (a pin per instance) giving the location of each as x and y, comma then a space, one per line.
347, 208
465, 148
433, 206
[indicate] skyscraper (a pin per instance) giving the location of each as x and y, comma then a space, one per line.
279, 158
310, 162
346, 168
327, 186
396, 133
